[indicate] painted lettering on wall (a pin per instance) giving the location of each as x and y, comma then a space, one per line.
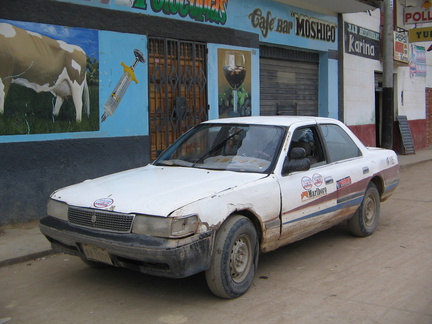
212, 11
361, 41
198, 10
314, 28
140, 4
267, 23
302, 25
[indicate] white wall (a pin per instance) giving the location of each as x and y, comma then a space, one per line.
412, 87
359, 75
409, 90
413, 91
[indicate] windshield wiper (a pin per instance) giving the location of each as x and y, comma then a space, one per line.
216, 147
175, 162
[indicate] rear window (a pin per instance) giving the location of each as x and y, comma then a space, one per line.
340, 146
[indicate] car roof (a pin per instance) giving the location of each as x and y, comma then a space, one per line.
273, 120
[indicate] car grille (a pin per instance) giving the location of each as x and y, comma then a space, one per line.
102, 220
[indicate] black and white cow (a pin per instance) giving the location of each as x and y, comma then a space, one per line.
44, 65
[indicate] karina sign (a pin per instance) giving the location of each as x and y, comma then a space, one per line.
362, 42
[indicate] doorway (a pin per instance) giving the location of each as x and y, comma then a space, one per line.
177, 89
378, 107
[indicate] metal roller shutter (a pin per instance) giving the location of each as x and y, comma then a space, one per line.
289, 82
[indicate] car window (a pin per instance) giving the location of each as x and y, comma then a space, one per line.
339, 144
234, 147
308, 139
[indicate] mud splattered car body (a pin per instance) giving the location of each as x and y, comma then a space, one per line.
225, 192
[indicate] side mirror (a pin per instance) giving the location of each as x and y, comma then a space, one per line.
296, 161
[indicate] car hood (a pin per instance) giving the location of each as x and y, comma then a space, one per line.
151, 190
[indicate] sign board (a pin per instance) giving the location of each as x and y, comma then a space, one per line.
416, 15
420, 34
362, 42
418, 67
401, 52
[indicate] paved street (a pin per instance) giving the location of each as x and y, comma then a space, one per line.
331, 277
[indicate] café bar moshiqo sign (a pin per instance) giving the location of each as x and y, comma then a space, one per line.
362, 42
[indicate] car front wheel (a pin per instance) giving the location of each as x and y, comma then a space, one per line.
365, 219
235, 258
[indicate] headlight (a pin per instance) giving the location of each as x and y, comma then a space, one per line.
173, 227
182, 226
57, 209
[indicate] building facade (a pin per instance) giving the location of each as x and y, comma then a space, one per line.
363, 73
91, 87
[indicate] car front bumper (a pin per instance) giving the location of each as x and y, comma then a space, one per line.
175, 258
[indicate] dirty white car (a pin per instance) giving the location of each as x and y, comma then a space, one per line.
225, 192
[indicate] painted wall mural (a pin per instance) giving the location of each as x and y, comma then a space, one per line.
59, 101
48, 79
234, 75
122, 85
59, 82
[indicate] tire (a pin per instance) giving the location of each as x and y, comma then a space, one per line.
235, 258
365, 220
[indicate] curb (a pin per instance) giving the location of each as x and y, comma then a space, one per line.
414, 163
25, 258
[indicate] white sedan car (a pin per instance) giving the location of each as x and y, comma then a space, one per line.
223, 193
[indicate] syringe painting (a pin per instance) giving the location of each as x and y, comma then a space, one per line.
50, 79
122, 85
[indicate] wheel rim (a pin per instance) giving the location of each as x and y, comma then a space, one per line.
369, 210
241, 258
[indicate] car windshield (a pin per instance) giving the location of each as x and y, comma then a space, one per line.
234, 147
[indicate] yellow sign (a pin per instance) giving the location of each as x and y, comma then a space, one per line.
420, 34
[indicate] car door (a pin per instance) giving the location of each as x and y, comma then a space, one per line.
308, 198
350, 169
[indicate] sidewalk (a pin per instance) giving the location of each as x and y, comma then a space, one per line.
24, 242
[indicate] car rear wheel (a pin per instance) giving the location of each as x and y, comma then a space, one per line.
365, 219
235, 258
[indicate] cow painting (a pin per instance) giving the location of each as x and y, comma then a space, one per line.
44, 65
